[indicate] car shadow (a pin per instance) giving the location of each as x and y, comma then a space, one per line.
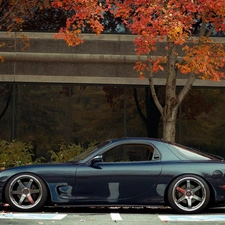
123, 210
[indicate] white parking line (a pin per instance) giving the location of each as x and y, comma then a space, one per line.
193, 218
32, 216
115, 216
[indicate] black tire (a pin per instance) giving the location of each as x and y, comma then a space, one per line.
188, 194
26, 193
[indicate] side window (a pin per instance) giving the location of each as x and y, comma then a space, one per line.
129, 153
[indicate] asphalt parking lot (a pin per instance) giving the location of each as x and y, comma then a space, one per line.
107, 216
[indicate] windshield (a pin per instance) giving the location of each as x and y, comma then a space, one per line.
88, 152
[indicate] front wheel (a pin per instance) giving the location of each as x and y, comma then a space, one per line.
188, 194
26, 193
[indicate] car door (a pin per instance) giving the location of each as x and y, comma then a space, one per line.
126, 171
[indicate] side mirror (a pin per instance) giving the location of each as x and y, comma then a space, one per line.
96, 159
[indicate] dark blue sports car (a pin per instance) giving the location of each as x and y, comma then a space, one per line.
125, 172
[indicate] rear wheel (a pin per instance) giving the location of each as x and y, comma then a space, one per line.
188, 194
26, 192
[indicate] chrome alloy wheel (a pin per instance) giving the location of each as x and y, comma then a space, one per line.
189, 194
25, 192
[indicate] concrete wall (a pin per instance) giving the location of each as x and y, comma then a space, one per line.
103, 59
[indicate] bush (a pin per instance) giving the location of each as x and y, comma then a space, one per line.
15, 153
66, 152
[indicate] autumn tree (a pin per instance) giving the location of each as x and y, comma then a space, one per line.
184, 27
195, 56
14, 13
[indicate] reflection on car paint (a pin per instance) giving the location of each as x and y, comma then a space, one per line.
160, 188
114, 191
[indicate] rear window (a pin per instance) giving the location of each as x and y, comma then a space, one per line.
194, 154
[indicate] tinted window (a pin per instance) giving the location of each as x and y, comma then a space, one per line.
88, 152
129, 153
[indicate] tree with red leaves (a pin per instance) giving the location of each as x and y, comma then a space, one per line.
13, 13
185, 27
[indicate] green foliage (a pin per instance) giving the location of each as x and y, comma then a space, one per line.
66, 152
15, 153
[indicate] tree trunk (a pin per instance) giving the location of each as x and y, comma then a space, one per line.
169, 126
172, 99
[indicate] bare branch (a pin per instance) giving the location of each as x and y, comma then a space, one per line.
186, 88
210, 31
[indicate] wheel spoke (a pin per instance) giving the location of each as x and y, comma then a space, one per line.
30, 199
180, 190
30, 183
188, 184
181, 199
16, 192
34, 191
189, 201
21, 199
197, 198
21, 185
196, 188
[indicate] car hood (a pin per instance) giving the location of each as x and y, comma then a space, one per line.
39, 168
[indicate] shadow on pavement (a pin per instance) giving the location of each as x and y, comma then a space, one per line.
124, 210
